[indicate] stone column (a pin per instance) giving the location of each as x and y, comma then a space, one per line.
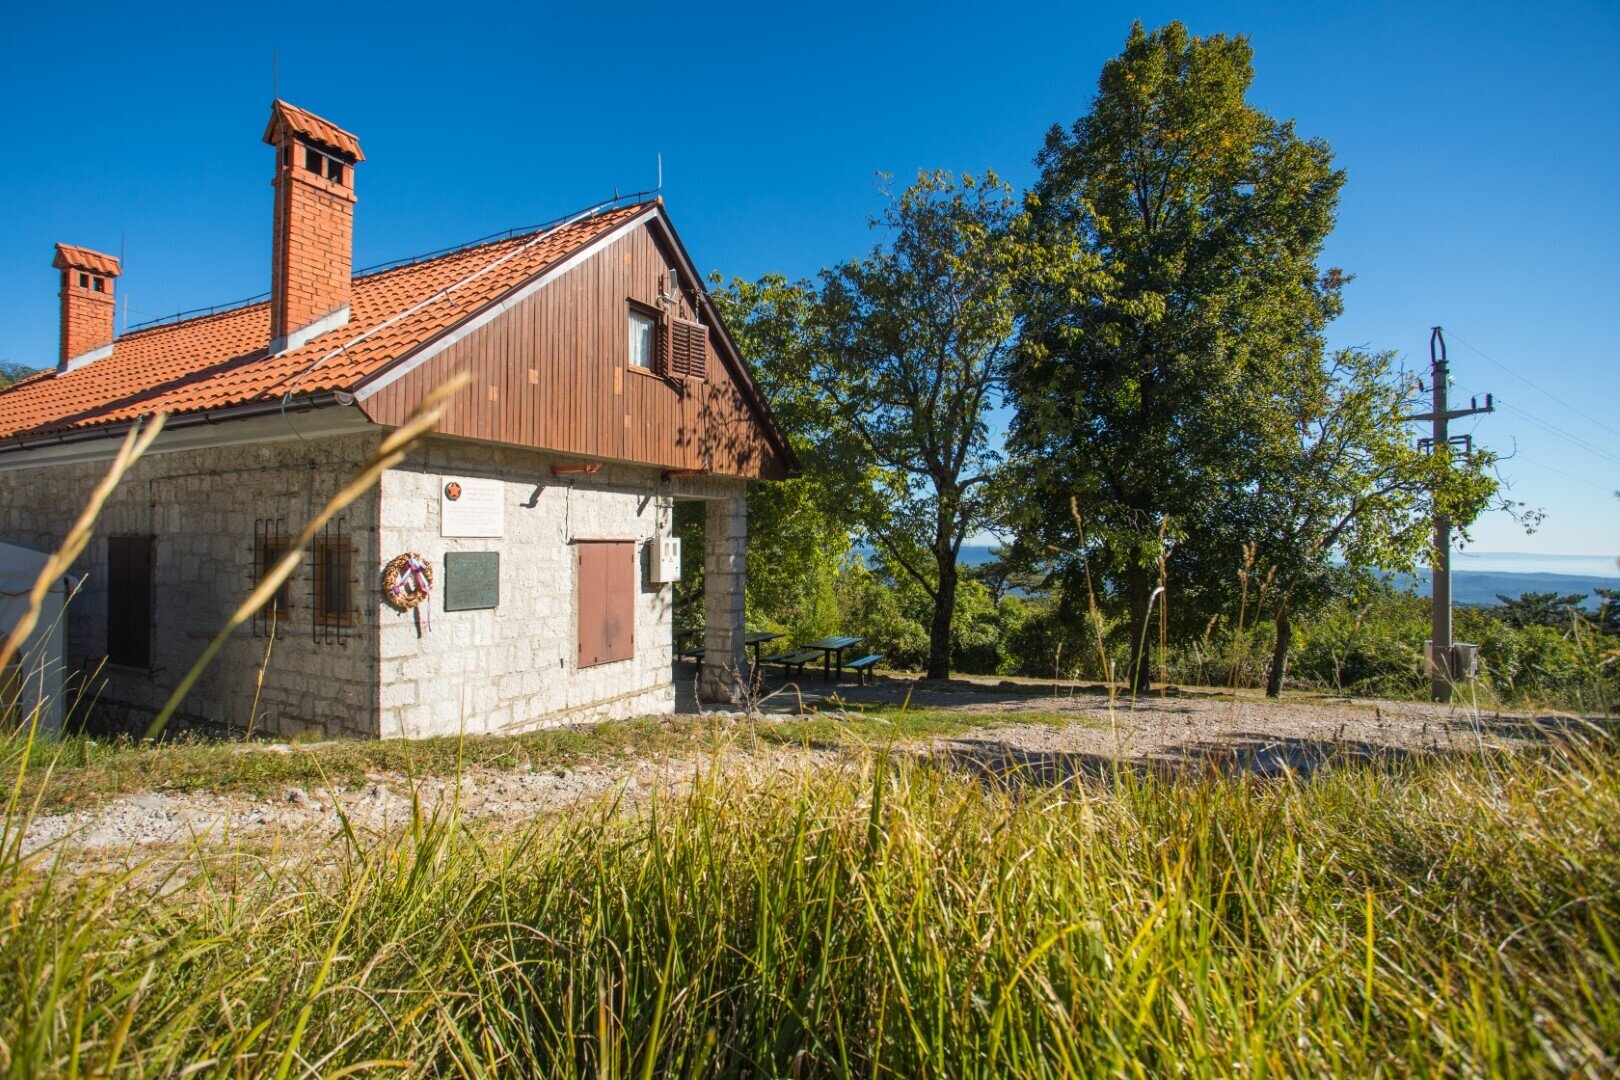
725, 653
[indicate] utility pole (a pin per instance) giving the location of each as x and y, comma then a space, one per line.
1443, 667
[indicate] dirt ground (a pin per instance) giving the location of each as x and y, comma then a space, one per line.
1194, 726
1069, 733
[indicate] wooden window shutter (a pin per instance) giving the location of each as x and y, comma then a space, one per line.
129, 600
607, 601
689, 350
663, 347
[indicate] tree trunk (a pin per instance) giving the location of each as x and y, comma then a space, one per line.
1279, 653
1139, 585
939, 634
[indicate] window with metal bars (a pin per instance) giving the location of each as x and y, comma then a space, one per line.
270, 546
333, 572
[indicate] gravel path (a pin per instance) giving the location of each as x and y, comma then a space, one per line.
137, 826
1194, 731
1179, 729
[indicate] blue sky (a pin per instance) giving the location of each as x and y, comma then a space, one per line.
1479, 141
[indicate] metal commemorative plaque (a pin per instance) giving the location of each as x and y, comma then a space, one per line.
472, 580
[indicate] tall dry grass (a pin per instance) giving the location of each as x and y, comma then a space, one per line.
1449, 916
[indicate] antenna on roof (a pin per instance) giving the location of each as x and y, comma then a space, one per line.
275, 76
123, 236
660, 186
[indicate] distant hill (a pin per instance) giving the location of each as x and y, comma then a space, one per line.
1472, 587
1480, 587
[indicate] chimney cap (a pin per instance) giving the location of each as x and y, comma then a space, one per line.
288, 119
69, 257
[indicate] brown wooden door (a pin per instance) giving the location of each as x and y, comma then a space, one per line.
607, 600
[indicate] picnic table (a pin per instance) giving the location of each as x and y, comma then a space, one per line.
754, 638
832, 652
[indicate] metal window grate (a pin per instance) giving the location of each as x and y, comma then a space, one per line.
270, 545
333, 614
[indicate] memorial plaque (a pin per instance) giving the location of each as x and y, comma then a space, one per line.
472, 580
472, 507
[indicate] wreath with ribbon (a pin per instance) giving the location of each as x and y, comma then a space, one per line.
407, 581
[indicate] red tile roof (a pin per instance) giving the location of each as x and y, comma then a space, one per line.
306, 124
81, 258
219, 360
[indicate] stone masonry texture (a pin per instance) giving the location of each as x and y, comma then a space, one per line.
201, 508
515, 667
387, 673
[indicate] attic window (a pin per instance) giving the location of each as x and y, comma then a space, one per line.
643, 330
334, 170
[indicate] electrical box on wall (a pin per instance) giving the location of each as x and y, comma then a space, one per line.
665, 556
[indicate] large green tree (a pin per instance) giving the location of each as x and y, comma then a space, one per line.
915, 343
884, 371
1142, 378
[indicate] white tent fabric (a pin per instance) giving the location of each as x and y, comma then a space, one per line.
35, 680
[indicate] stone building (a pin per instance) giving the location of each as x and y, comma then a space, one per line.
603, 389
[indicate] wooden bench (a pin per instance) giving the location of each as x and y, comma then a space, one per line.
793, 661
694, 652
863, 665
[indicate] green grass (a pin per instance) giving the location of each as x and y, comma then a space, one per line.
1437, 916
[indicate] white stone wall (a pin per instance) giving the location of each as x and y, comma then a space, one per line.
201, 506
515, 667
725, 655
507, 669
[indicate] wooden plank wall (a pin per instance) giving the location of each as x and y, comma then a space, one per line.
554, 373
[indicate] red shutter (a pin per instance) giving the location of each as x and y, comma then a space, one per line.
689, 349
607, 601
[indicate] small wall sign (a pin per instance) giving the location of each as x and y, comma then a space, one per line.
472, 580
471, 507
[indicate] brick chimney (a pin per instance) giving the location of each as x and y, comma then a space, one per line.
313, 249
87, 305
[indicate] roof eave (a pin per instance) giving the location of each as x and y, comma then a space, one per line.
32, 442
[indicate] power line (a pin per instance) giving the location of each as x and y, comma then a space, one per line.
1538, 389
1607, 456
1574, 440
1560, 472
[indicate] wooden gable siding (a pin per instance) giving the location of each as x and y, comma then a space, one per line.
553, 372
